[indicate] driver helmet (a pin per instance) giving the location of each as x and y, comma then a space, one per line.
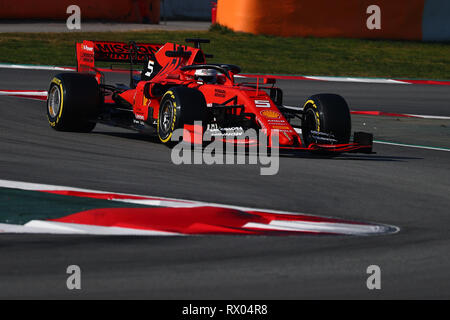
206, 75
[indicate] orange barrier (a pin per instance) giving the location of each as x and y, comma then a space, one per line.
400, 19
117, 10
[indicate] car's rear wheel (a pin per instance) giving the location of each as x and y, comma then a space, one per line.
73, 102
180, 106
326, 119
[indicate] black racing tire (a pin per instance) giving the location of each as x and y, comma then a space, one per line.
180, 106
73, 102
326, 113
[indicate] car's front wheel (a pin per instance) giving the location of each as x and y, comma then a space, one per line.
180, 106
326, 119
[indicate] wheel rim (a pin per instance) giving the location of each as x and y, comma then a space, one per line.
166, 117
309, 124
54, 102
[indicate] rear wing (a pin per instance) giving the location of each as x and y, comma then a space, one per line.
88, 52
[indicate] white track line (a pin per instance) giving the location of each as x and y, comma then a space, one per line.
411, 145
159, 201
429, 117
361, 80
41, 93
36, 67
53, 227
323, 227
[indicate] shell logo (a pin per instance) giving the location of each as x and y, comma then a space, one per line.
270, 114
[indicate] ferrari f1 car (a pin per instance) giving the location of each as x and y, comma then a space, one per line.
176, 88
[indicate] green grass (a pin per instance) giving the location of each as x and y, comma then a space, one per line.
257, 54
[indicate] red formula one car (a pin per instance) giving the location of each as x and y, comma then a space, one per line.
177, 88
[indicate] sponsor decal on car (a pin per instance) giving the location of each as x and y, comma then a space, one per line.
120, 51
219, 93
270, 114
281, 127
223, 132
88, 48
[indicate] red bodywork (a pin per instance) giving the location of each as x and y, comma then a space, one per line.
251, 95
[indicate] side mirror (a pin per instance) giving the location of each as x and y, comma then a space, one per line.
269, 81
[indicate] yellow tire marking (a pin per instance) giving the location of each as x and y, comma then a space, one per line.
167, 139
61, 104
317, 116
311, 102
61, 93
174, 110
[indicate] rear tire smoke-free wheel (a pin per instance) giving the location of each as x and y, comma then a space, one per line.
328, 114
73, 102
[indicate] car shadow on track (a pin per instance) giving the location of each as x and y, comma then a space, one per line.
344, 156
136, 136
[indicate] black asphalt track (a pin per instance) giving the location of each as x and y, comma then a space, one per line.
402, 186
